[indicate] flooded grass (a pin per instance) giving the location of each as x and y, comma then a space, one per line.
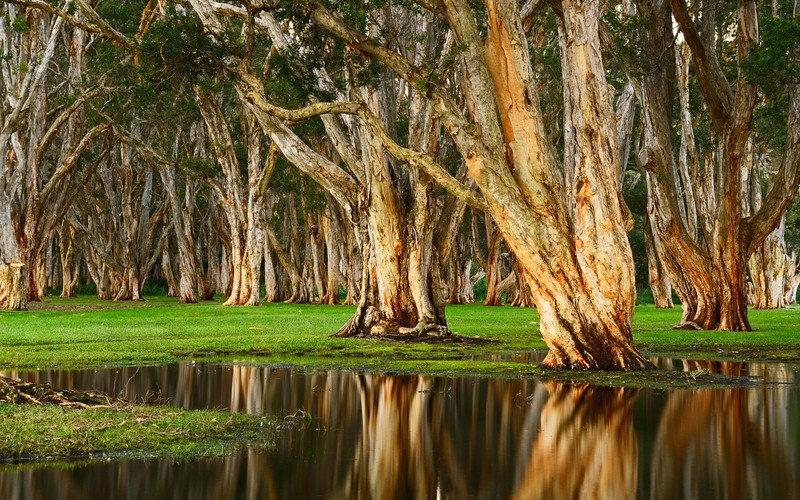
86, 332
50, 432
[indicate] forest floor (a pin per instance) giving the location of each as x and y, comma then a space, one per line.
85, 332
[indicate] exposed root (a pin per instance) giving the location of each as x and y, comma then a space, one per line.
17, 392
621, 360
369, 323
425, 329
687, 325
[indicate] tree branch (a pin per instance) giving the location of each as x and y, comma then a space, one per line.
784, 186
99, 26
715, 87
426, 164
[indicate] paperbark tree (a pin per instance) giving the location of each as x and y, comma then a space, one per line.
392, 211
563, 220
120, 225
242, 201
707, 256
47, 142
28, 41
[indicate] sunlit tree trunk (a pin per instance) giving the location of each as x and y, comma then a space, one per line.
491, 264
708, 259
332, 231
657, 275
187, 273
166, 270
766, 265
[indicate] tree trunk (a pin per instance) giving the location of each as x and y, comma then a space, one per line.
166, 269
492, 266
13, 281
331, 229
767, 270
70, 272
187, 273
660, 285
524, 295
574, 250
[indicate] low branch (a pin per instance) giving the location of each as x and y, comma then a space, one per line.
71, 160
425, 163
715, 87
252, 86
784, 186
99, 26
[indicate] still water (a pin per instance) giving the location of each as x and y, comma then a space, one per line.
384, 436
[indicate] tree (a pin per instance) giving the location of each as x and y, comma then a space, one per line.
563, 220
706, 237
392, 210
41, 143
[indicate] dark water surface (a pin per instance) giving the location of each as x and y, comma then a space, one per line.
382, 436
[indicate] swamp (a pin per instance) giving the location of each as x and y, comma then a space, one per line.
399, 249
399, 419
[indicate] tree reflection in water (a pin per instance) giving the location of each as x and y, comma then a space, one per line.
586, 446
380, 436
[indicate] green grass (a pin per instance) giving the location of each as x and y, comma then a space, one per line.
44, 433
85, 332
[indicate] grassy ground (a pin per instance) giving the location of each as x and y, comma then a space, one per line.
39, 433
85, 332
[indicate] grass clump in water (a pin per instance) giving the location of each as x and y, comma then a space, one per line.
33, 432
39, 423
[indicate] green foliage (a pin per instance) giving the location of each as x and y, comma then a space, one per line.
177, 49
625, 41
775, 63
792, 233
770, 122
20, 24
122, 15
199, 167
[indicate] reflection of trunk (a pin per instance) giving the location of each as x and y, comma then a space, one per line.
717, 435
402, 435
586, 445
